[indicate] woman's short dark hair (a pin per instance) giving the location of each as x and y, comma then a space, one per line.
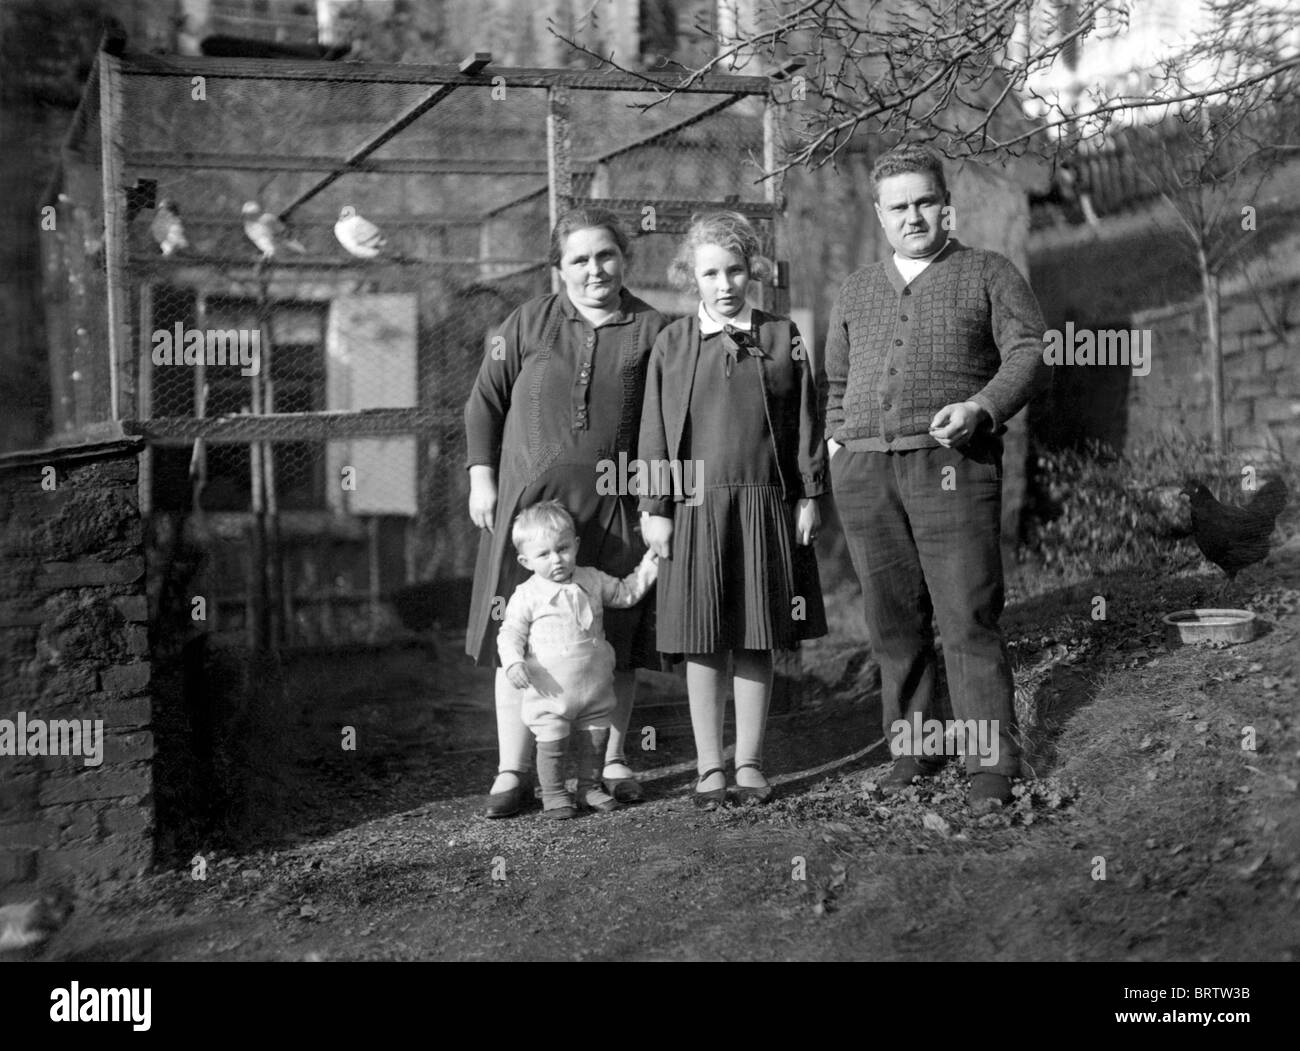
903, 159
587, 218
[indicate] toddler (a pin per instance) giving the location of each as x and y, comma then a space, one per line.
552, 646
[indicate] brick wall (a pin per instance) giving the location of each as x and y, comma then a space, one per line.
1261, 366
74, 644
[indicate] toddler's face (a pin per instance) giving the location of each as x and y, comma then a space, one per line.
721, 277
550, 555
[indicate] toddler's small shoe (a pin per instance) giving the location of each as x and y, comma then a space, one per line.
989, 793
562, 812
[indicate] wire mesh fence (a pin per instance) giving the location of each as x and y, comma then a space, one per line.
284, 274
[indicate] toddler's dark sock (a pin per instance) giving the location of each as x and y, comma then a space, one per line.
550, 773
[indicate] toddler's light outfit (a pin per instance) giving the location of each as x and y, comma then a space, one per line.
556, 630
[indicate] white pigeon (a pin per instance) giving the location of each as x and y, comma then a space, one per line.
358, 234
267, 231
166, 227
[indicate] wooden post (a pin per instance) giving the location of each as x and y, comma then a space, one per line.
276, 618
787, 665
121, 385
559, 170
145, 400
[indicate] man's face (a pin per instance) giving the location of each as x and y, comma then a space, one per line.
910, 208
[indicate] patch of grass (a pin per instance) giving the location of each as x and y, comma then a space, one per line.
1097, 511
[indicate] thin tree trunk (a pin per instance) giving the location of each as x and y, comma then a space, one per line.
1214, 349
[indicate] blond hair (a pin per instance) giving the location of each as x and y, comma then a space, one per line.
729, 230
549, 518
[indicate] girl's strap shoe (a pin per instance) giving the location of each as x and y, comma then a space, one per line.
714, 797
758, 795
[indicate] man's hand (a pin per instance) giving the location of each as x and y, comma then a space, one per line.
807, 520
482, 496
956, 424
657, 532
517, 673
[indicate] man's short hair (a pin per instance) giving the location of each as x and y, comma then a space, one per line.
905, 158
549, 518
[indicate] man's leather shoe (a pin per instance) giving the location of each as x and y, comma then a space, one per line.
905, 770
989, 793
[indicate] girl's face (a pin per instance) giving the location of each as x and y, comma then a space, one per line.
591, 267
721, 277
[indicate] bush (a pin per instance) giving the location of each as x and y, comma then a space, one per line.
1096, 511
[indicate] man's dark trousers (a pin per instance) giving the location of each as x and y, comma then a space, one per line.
924, 532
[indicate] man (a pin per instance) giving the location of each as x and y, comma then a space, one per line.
928, 354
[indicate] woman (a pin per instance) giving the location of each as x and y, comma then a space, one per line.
558, 393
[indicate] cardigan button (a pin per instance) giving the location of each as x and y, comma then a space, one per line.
902, 317
898, 342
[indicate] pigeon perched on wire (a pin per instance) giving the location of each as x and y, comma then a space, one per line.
267, 231
357, 234
166, 227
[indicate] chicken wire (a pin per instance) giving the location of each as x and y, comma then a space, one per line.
319, 464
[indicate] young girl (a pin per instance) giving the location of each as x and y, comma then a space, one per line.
731, 407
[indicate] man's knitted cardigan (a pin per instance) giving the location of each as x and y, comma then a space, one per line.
896, 353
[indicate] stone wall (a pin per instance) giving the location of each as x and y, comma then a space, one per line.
1261, 371
74, 645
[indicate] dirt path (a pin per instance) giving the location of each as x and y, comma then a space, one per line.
1138, 751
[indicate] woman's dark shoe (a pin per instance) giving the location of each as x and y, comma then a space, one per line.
624, 789
762, 794
511, 801
598, 802
713, 798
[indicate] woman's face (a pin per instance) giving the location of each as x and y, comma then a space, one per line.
591, 267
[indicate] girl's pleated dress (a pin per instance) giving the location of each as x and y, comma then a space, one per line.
736, 578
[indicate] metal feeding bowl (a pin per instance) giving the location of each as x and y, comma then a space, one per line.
1209, 625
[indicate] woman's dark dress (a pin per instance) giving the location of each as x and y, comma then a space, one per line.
553, 399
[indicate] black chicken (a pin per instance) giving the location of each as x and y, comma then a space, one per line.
1235, 537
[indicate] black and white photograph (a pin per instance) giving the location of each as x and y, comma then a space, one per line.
628, 481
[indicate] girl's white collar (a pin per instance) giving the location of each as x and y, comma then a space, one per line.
744, 321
